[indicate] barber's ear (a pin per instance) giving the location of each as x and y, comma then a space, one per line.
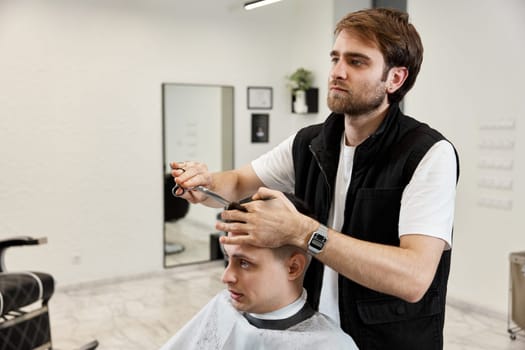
396, 78
296, 265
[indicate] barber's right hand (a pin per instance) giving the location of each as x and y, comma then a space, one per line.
188, 175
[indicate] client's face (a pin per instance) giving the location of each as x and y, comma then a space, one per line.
255, 278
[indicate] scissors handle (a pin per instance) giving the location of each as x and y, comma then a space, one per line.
176, 188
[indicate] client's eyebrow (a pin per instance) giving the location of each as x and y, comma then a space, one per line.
237, 254
241, 256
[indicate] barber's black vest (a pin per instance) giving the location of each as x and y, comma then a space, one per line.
383, 165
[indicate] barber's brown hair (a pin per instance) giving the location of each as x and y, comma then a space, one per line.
396, 38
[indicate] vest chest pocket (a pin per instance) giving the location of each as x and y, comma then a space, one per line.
375, 215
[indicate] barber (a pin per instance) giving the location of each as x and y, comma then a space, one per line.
382, 185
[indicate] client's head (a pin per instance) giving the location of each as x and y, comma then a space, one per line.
262, 280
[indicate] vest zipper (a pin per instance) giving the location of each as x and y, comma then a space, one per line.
329, 192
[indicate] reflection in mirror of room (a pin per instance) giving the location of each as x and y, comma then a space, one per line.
198, 125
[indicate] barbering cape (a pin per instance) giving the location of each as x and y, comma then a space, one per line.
220, 326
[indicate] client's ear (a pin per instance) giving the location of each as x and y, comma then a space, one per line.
296, 264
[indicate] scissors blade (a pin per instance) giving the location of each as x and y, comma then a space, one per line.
215, 196
218, 198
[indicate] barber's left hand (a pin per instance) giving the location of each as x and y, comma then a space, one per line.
271, 221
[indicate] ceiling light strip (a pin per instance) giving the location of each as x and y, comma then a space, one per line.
258, 3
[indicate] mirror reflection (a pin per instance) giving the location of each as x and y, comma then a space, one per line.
197, 125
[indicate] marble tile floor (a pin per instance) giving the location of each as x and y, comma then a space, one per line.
143, 312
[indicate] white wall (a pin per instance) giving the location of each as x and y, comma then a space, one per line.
80, 114
473, 75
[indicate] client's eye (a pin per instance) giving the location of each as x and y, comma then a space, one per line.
244, 264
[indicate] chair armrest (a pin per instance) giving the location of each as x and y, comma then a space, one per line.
17, 241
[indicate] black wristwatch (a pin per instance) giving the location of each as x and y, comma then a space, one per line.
318, 240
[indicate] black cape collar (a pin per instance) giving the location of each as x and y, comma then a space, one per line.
305, 313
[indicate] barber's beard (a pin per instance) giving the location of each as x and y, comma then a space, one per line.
353, 103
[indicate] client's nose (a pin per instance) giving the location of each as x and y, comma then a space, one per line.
228, 276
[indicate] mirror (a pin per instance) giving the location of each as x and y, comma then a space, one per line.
197, 125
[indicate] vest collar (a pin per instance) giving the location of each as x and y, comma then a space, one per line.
327, 151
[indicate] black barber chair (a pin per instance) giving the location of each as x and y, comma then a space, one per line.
24, 297
175, 208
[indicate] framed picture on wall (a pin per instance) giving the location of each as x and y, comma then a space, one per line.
260, 97
260, 128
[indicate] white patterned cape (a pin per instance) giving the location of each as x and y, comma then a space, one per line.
220, 326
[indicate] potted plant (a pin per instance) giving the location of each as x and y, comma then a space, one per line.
301, 79
299, 82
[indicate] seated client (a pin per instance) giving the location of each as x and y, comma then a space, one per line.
264, 306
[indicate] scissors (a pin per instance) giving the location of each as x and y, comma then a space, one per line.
228, 205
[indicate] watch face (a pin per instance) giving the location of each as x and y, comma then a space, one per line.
316, 245
318, 241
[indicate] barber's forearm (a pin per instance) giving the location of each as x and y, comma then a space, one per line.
235, 184
403, 272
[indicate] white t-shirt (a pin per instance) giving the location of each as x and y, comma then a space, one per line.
427, 203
